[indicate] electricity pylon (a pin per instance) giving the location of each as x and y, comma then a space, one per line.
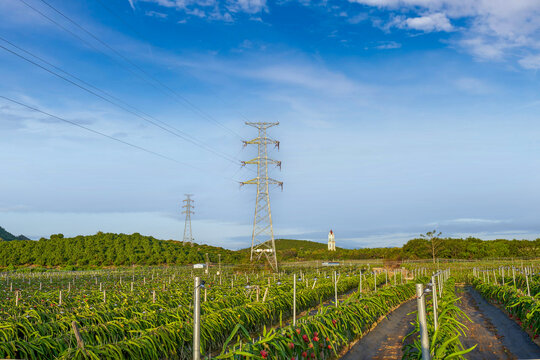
262, 239
188, 237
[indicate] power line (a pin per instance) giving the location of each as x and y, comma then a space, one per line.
113, 13
105, 135
76, 78
201, 144
121, 19
152, 121
136, 74
93, 131
193, 107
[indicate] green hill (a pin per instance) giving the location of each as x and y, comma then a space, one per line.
5, 235
286, 244
300, 250
107, 249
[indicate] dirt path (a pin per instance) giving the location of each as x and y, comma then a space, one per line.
386, 339
497, 336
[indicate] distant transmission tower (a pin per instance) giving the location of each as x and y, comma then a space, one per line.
188, 237
262, 239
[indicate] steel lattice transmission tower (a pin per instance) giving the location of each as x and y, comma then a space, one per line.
262, 240
188, 237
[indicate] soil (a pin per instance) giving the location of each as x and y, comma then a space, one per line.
497, 336
386, 339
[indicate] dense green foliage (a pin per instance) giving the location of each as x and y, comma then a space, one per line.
449, 248
106, 249
286, 244
525, 309
5, 235
301, 250
472, 248
146, 313
323, 335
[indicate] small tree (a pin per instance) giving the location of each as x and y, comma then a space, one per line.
433, 238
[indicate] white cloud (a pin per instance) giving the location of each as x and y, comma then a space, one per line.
276, 69
357, 18
483, 48
460, 223
14, 208
248, 6
156, 14
209, 9
531, 62
196, 12
221, 10
493, 235
376, 240
167, 3
217, 15
393, 3
472, 221
246, 44
318, 78
17, 13
429, 23
473, 86
493, 28
132, 4
388, 45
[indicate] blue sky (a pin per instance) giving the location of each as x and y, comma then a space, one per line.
396, 117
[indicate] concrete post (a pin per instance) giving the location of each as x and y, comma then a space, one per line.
424, 338
294, 300
335, 289
197, 319
435, 303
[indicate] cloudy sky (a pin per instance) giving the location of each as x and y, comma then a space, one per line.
396, 117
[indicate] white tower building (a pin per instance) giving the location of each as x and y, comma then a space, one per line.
331, 241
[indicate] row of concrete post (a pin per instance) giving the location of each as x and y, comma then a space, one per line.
197, 309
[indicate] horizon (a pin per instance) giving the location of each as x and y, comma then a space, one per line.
277, 239
396, 117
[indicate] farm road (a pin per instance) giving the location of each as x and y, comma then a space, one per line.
497, 336
386, 339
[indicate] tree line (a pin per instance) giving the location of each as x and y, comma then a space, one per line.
429, 246
108, 249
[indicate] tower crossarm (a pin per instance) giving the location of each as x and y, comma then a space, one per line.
262, 125
256, 181
263, 160
261, 141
